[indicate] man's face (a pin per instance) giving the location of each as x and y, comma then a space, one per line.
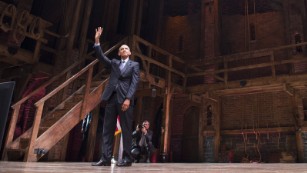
146, 125
124, 51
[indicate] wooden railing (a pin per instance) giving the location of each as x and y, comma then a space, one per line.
159, 65
222, 67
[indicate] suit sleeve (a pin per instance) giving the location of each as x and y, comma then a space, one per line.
134, 81
101, 56
149, 138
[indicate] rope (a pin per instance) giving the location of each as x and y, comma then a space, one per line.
9, 11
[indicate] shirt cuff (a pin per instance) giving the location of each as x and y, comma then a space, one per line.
96, 44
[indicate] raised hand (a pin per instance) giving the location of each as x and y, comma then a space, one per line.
98, 34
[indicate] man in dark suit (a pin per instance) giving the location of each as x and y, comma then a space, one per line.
118, 95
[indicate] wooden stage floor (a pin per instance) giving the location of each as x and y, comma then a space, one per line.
84, 167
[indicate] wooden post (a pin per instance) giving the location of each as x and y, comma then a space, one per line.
167, 103
30, 156
300, 146
139, 109
90, 147
10, 134
87, 14
86, 92
166, 127
200, 133
136, 16
217, 126
73, 32
299, 118
273, 65
37, 50
226, 71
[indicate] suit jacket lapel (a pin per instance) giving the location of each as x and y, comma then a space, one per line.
118, 64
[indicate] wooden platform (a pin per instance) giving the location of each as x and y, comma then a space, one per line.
84, 167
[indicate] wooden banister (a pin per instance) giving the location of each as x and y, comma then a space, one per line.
67, 82
55, 78
244, 55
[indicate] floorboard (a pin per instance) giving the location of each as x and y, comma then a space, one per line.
84, 167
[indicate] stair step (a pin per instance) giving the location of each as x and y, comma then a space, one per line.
15, 154
95, 83
70, 104
42, 129
24, 143
55, 116
78, 97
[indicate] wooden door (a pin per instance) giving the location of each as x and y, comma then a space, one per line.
190, 143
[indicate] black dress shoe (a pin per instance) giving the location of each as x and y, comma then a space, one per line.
102, 163
124, 163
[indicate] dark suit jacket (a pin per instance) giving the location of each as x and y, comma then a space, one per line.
124, 82
136, 135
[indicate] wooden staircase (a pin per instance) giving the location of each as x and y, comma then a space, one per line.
76, 96
74, 102
48, 129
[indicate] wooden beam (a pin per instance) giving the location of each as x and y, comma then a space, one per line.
259, 130
248, 67
217, 127
21, 55
251, 90
92, 135
195, 98
299, 146
296, 81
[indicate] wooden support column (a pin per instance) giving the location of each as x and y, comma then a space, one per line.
300, 146
273, 65
136, 7
201, 133
85, 22
70, 42
91, 141
73, 32
209, 29
37, 50
299, 118
11, 130
166, 127
139, 109
159, 20
166, 114
217, 127
226, 71
30, 156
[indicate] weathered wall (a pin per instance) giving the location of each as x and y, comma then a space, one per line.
235, 37
181, 36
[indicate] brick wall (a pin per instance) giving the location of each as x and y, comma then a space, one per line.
257, 111
263, 110
269, 32
186, 29
263, 147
